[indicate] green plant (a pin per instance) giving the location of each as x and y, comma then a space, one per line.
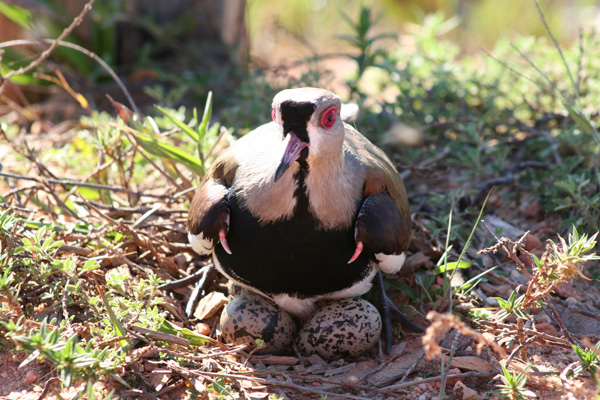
362, 40
513, 306
589, 360
513, 385
63, 349
223, 389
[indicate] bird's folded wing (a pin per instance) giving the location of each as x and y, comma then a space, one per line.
391, 211
209, 210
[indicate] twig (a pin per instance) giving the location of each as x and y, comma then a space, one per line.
437, 378
93, 56
457, 336
52, 382
508, 179
290, 385
510, 252
562, 56
514, 71
130, 210
560, 324
133, 142
188, 280
66, 182
412, 367
54, 43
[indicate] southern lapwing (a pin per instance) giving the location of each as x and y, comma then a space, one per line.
303, 208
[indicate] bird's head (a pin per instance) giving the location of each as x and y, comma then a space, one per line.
310, 125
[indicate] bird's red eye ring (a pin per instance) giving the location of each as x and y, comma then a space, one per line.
274, 115
328, 117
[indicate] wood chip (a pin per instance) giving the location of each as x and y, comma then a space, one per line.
340, 370
159, 378
471, 363
81, 251
275, 360
209, 305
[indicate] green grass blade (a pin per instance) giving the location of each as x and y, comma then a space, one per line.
180, 124
163, 149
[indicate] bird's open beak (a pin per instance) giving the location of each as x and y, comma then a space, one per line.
292, 151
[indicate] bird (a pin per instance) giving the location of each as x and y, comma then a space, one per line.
302, 208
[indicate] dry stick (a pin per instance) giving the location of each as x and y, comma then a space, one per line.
560, 324
511, 253
437, 378
518, 349
96, 170
412, 367
130, 210
508, 179
35, 63
143, 154
562, 56
143, 244
457, 336
50, 383
289, 385
93, 56
66, 182
541, 336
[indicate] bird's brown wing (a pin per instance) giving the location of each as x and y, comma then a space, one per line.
209, 210
385, 213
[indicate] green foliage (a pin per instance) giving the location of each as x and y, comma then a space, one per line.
63, 349
16, 14
589, 360
223, 389
362, 40
513, 306
513, 385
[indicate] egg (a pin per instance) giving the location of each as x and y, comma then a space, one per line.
346, 328
235, 290
250, 316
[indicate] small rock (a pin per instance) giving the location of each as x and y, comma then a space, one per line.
31, 377
532, 243
518, 277
567, 291
503, 228
504, 290
182, 260
491, 301
462, 392
400, 136
202, 329
532, 211
453, 371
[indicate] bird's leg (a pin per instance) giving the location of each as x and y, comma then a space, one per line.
389, 313
223, 239
200, 277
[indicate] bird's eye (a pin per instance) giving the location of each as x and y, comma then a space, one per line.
328, 117
274, 115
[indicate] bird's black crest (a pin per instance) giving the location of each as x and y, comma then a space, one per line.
295, 116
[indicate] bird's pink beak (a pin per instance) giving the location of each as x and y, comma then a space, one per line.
292, 152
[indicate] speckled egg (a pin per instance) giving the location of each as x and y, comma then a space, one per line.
340, 329
250, 316
235, 290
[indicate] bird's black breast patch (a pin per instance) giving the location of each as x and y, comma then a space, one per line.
295, 116
291, 256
